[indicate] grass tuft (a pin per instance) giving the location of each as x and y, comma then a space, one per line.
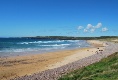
106, 69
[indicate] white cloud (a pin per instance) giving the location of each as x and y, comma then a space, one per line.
92, 30
89, 26
80, 27
85, 30
104, 29
98, 25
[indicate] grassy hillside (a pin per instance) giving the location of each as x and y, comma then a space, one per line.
106, 69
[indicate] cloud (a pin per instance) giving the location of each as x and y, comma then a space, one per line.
85, 30
98, 25
92, 30
89, 26
104, 29
80, 27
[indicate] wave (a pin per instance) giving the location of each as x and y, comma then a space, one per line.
40, 46
29, 42
56, 41
39, 42
73, 40
56, 45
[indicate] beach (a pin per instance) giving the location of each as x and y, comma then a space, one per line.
47, 39
18, 66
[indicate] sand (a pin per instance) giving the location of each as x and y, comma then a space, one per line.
56, 73
12, 67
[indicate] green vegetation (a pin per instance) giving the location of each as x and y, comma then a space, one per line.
73, 38
110, 39
106, 69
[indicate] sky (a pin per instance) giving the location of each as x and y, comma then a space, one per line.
81, 18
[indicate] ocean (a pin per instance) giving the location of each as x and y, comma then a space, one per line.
23, 46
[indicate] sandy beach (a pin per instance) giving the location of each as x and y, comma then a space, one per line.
17, 66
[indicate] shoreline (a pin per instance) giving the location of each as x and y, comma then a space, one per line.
22, 65
25, 48
56, 73
82, 53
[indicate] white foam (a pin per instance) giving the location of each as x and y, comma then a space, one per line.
73, 40
56, 45
24, 43
57, 41
65, 44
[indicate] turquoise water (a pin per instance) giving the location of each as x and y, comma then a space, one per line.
19, 46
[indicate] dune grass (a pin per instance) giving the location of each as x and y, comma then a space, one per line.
106, 69
110, 40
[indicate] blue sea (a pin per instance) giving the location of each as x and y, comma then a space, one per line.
23, 46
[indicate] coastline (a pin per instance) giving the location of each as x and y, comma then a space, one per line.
27, 65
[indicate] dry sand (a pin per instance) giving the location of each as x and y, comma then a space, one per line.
21, 65
81, 53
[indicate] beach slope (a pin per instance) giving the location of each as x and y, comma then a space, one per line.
18, 66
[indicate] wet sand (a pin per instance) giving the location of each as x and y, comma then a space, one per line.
12, 67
